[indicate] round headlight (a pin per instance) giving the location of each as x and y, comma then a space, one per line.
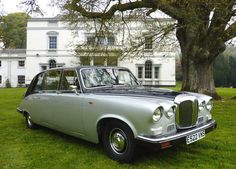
157, 114
202, 105
209, 105
170, 113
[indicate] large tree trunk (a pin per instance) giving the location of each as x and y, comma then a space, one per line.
197, 68
198, 77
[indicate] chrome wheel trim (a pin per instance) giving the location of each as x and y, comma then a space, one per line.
29, 121
118, 141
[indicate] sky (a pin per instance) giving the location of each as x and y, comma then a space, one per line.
10, 6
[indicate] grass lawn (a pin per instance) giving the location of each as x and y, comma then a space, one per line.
24, 148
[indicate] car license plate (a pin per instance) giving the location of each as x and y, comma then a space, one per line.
194, 137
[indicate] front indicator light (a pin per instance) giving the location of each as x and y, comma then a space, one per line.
209, 105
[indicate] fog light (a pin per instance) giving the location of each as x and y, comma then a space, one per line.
156, 131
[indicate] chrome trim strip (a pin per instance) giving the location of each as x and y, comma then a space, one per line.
176, 136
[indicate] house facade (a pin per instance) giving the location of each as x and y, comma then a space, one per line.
51, 43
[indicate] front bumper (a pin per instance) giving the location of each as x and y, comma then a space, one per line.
179, 136
19, 110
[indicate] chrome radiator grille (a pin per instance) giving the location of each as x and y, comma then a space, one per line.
187, 114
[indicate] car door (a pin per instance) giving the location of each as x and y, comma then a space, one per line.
67, 111
42, 101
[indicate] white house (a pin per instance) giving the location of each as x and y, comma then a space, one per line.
51, 43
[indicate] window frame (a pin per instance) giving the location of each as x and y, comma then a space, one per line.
148, 43
50, 42
148, 69
20, 65
18, 77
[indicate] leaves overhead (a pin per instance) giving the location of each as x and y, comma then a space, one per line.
13, 30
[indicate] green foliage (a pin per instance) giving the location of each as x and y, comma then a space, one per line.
13, 30
43, 148
8, 84
224, 71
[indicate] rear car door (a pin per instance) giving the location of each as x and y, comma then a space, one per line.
67, 113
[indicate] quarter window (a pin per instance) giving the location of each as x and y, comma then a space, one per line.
38, 85
21, 79
52, 42
148, 69
51, 80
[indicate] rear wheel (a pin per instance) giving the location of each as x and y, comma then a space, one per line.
29, 123
118, 141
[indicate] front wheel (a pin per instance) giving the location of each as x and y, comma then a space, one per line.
29, 123
118, 141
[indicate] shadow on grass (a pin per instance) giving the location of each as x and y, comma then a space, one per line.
143, 154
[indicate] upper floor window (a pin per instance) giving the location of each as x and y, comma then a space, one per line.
0, 63
101, 40
21, 63
90, 40
111, 40
148, 42
148, 69
21, 79
52, 64
52, 42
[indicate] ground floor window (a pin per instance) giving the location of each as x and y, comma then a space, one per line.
0, 79
140, 72
148, 70
21, 79
156, 72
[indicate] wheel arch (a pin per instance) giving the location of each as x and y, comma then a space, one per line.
101, 123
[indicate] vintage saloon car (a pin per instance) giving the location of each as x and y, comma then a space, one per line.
108, 105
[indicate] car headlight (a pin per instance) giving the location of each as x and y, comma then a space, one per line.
202, 105
209, 105
157, 114
171, 112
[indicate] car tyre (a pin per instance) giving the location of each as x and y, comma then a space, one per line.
118, 141
29, 123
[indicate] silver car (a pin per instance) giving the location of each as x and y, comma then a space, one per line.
108, 105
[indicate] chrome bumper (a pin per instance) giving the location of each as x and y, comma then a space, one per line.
180, 136
19, 110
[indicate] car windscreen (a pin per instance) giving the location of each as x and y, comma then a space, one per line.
99, 77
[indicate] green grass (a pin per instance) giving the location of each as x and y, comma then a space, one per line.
24, 148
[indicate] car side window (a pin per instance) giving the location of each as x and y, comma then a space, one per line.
68, 79
51, 80
38, 85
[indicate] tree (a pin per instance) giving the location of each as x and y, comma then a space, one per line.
203, 28
13, 30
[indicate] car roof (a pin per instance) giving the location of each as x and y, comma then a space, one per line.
82, 67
